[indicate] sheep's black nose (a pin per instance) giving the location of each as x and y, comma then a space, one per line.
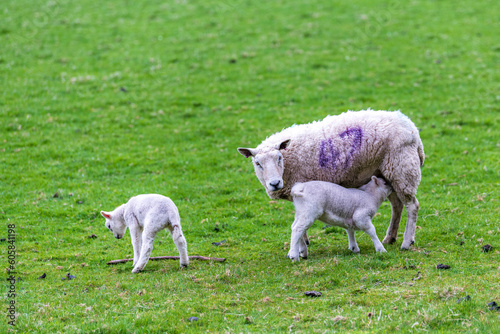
275, 184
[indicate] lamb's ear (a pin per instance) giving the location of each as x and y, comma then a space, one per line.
105, 215
374, 179
247, 152
283, 145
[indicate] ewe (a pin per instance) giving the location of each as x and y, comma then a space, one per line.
347, 150
352, 209
145, 216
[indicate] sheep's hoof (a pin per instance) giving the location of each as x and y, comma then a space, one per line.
184, 265
407, 245
135, 271
389, 240
303, 257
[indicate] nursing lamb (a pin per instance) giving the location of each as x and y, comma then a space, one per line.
349, 208
347, 150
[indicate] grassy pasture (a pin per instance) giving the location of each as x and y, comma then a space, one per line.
100, 101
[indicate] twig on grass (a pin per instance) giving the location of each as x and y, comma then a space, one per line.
196, 257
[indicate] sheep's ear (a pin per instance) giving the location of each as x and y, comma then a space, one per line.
105, 215
247, 152
283, 145
374, 179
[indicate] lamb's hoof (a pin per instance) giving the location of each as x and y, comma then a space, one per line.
135, 271
354, 249
389, 240
303, 257
183, 265
382, 250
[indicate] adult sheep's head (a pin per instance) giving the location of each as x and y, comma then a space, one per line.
268, 163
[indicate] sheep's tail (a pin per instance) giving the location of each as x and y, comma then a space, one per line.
420, 150
297, 190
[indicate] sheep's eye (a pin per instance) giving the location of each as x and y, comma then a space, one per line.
258, 164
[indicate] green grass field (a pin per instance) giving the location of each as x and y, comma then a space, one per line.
101, 101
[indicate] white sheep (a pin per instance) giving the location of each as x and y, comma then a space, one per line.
352, 209
146, 215
347, 150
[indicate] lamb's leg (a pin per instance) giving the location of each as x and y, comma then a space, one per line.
290, 250
303, 242
306, 238
299, 227
397, 210
148, 237
353, 245
136, 238
303, 251
412, 207
373, 235
180, 243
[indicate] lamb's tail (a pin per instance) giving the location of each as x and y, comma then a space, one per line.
420, 150
298, 190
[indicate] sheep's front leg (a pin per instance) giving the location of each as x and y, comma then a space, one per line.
297, 243
147, 246
397, 210
353, 245
180, 243
136, 238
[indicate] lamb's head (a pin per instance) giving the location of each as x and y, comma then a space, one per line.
378, 185
115, 224
268, 163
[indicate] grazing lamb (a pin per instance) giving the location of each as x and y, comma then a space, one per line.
146, 215
347, 150
352, 209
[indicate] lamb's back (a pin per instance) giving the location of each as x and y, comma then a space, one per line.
152, 206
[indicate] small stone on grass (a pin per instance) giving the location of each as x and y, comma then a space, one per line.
443, 266
313, 293
487, 248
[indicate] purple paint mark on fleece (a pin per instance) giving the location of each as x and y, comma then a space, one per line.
357, 136
328, 154
324, 158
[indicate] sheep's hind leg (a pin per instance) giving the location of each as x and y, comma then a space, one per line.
180, 243
412, 207
397, 210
